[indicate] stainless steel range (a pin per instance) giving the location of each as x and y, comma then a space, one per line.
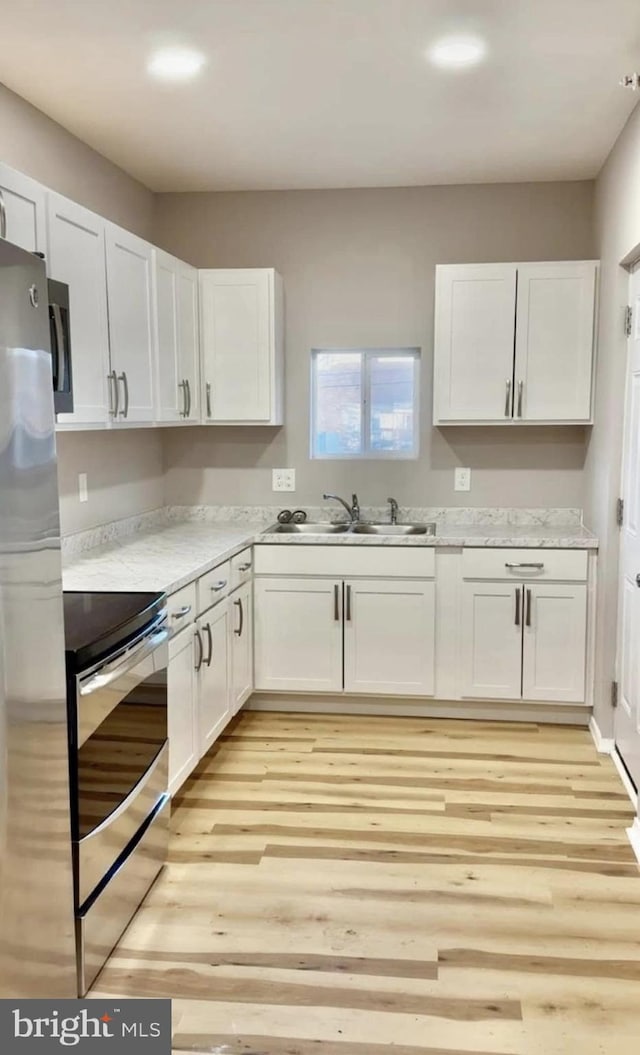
117, 658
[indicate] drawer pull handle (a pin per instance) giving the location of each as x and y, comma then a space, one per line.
217, 586
244, 567
537, 565
181, 612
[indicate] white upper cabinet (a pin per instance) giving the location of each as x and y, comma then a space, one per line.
474, 337
554, 341
242, 346
77, 257
514, 343
22, 210
176, 298
131, 326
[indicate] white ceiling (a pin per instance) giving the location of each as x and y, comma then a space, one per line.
330, 93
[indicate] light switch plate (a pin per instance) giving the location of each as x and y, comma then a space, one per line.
83, 489
283, 480
462, 480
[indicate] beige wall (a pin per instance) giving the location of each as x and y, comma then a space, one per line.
124, 470
618, 233
124, 476
358, 269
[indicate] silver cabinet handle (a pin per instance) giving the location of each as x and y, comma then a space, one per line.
3, 217
244, 567
518, 596
348, 604
638, 580
60, 348
124, 413
527, 619
208, 391
520, 392
200, 651
181, 612
336, 603
507, 400
539, 565
112, 378
188, 410
182, 386
210, 640
217, 586
238, 632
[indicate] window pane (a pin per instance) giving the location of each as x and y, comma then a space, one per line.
392, 403
338, 416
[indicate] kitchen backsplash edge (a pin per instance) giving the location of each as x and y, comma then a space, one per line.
83, 541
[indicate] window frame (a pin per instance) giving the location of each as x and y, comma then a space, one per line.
367, 453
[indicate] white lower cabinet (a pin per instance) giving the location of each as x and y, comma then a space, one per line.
491, 642
298, 634
213, 675
359, 635
241, 637
555, 642
389, 637
182, 685
523, 641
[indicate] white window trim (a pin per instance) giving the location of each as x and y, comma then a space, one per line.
367, 454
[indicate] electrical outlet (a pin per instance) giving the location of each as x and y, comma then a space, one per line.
83, 490
283, 480
462, 480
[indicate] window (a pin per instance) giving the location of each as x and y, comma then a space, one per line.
364, 403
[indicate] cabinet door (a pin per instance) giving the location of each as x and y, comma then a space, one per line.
214, 688
130, 299
554, 341
24, 206
241, 646
77, 257
182, 683
555, 635
474, 337
389, 637
237, 346
172, 392
189, 337
491, 640
298, 628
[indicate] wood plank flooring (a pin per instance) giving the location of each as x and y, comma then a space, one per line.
345, 885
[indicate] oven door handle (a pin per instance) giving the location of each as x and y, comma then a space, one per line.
112, 671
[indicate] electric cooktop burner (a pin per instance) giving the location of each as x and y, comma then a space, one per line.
98, 623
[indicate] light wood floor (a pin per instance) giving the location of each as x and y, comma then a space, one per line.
348, 885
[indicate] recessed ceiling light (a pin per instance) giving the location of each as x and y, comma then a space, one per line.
454, 53
175, 64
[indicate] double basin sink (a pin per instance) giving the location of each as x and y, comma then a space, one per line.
359, 528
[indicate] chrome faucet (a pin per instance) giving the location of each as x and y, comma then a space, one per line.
353, 510
394, 510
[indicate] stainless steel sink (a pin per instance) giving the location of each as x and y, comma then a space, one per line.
394, 529
310, 529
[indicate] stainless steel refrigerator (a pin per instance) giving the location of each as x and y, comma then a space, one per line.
37, 946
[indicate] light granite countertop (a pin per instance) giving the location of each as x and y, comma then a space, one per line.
167, 557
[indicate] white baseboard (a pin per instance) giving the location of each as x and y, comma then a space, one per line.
498, 710
634, 837
604, 744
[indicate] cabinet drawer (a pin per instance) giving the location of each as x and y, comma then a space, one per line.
213, 586
241, 568
181, 607
346, 561
519, 564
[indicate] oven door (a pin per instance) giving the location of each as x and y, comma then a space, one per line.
121, 760
60, 335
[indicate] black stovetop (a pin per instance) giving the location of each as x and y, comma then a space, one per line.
96, 624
